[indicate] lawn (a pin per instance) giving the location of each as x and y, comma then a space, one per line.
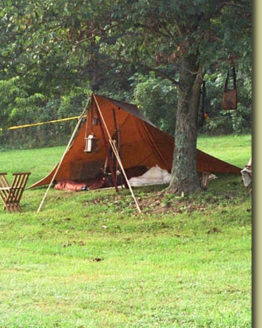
89, 260
233, 149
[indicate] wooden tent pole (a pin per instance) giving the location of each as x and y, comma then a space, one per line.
62, 158
108, 155
117, 155
117, 136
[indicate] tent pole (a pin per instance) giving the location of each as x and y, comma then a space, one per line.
117, 155
117, 138
108, 154
62, 158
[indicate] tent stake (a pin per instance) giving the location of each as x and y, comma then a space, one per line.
67, 147
117, 155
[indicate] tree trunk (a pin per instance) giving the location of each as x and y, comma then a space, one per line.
184, 177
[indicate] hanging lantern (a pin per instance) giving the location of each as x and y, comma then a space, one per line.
95, 120
91, 143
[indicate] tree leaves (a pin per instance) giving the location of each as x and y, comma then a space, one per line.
55, 47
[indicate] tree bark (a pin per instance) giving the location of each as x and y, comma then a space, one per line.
184, 177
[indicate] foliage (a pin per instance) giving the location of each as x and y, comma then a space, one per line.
53, 48
221, 121
19, 107
157, 98
16, 104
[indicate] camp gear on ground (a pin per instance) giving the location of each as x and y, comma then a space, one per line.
246, 174
153, 176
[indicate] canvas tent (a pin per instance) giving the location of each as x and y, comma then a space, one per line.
140, 144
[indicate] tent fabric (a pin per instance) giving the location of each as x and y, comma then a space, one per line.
142, 144
131, 109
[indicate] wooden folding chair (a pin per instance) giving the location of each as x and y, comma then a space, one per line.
11, 195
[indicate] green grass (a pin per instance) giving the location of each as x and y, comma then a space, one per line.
38, 161
89, 260
234, 149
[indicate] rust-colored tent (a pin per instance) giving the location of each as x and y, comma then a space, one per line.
140, 144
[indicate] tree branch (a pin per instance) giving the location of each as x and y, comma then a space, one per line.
153, 27
178, 28
163, 74
218, 8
